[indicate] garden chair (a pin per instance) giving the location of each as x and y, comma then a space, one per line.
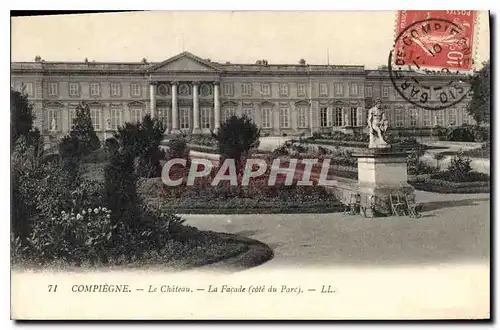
412, 206
354, 204
397, 205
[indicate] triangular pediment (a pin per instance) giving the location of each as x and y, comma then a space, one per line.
184, 62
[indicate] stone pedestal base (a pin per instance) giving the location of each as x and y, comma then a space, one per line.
382, 172
196, 131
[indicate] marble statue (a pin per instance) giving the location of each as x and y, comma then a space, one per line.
53, 125
377, 125
108, 124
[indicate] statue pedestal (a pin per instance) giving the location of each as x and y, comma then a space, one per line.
382, 172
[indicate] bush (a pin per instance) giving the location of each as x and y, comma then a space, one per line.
84, 132
21, 116
120, 188
177, 148
459, 168
236, 137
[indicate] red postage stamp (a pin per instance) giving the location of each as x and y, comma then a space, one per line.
436, 38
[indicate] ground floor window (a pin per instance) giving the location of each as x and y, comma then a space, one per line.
248, 112
228, 113
184, 118
165, 114
426, 118
399, 120
452, 120
266, 117
413, 117
53, 118
302, 115
135, 115
467, 119
337, 117
205, 117
72, 118
323, 117
284, 117
95, 115
439, 118
354, 117
115, 116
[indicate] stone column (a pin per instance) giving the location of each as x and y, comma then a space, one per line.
175, 109
196, 108
216, 106
152, 98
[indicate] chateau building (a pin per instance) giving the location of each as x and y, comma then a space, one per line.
194, 95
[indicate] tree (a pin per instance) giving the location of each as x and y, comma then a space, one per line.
142, 140
84, 131
479, 106
152, 130
21, 116
236, 137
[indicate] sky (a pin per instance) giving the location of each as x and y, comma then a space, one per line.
348, 37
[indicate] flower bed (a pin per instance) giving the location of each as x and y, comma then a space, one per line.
257, 197
447, 182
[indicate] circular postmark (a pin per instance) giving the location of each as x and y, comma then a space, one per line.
421, 46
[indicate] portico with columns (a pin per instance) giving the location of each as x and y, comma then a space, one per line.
186, 106
184, 93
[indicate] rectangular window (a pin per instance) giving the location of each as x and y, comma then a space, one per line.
467, 119
323, 89
72, 118
53, 120
95, 89
228, 89
337, 117
135, 89
116, 119
205, 117
284, 117
184, 118
116, 89
265, 89
439, 118
399, 122
339, 89
354, 117
283, 89
53, 90
136, 115
164, 114
323, 115
246, 89
28, 88
452, 120
413, 117
385, 92
426, 117
353, 89
301, 90
248, 112
266, 117
95, 115
302, 114
228, 113
369, 91
74, 89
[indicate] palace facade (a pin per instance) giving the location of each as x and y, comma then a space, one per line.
194, 95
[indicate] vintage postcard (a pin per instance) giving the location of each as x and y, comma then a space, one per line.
251, 165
